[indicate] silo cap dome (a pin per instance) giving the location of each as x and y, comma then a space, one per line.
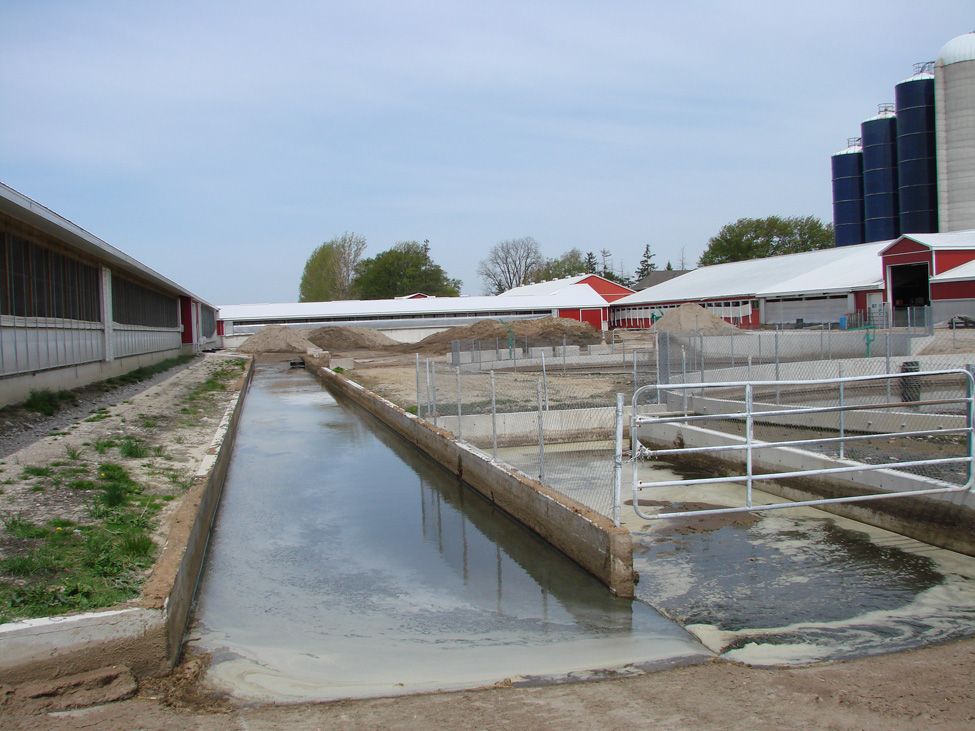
957, 50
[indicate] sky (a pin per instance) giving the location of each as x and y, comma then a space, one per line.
220, 142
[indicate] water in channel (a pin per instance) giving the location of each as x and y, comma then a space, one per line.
345, 564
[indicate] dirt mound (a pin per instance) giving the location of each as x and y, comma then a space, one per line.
690, 317
349, 338
548, 329
276, 339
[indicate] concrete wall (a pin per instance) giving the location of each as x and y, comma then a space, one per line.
589, 539
146, 638
15, 389
945, 520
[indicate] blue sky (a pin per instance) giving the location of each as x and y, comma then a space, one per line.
221, 142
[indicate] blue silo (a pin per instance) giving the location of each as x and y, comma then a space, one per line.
916, 158
881, 212
847, 168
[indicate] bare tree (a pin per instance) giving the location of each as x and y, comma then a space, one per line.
509, 264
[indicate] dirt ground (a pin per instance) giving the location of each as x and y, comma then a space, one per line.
929, 688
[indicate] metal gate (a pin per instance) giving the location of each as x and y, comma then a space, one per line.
681, 399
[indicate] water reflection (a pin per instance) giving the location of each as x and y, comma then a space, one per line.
344, 563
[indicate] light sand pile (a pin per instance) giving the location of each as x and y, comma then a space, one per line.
549, 329
349, 338
276, 339
690, 317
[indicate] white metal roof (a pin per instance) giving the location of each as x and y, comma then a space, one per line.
578, 295
964, 239
957, 50
838, 269
960, 273
19, 206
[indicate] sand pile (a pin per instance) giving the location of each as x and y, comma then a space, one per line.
349, 338
549, 329
276, 339
690, 317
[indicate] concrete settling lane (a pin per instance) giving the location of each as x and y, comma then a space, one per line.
346, 564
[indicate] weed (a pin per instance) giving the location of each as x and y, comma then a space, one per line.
23, 565
133, 448
99, 415
114, 495
103, 445
44, 401
82, 485
138, 544
339, 369
36, 472
159, 451
74, 453
19, 527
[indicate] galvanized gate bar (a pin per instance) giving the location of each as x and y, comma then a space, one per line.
749, 444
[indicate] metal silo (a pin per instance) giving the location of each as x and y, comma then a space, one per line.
954, 76
881, 213
847, 168
916, 160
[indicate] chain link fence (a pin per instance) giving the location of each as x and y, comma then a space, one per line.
549, 409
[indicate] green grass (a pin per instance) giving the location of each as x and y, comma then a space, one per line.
103, 445
74, 454
48, 402
133, 448
37, 472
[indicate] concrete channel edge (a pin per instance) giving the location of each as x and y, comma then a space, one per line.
146, 638
589, 539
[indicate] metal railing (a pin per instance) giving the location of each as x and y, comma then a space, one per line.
749, 444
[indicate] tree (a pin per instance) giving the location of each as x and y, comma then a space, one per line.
510, 264
669, 267
646, 265
590, 263
330, 269
756, 238
567, 265
404, 269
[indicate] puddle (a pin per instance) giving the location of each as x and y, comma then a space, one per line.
797, 586
345, 564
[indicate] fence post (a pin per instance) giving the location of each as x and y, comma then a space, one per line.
970, 445
749, 428
842, 415
433, 384
494, 418
419, 411
545, 380
749, 368
460, 421
565, 344
429, 409
888, 365
777, 392
702, 357
829, 340
635, 386
732, 347
541, 435
683, 380
618, 462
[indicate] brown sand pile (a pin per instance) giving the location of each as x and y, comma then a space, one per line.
549, 329
690, 317
349, 338
276, 339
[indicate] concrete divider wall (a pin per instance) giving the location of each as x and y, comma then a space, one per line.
946, 520
146, 638
589, 539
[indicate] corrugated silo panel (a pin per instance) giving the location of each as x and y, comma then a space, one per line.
916, 159
954, 74
847, 168
881, 212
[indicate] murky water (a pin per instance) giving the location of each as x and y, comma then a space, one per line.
793, 586
345, 564
796, 586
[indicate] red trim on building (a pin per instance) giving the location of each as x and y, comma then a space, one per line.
945, 260
609, 291
953, 290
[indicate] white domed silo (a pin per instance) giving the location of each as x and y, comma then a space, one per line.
954, 79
